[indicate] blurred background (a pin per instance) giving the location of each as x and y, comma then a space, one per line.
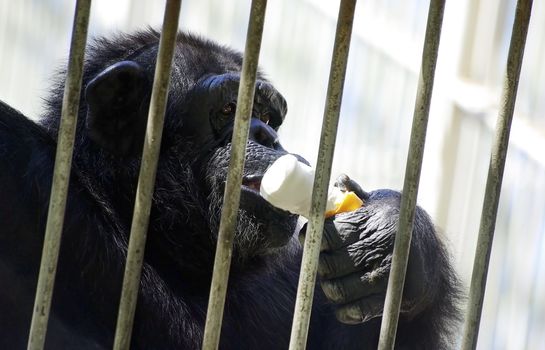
376, 115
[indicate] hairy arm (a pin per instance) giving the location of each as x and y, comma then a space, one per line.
92, 257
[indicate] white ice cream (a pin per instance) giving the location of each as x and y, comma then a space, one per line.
287, 185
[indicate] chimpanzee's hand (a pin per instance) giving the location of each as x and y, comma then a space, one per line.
356, 256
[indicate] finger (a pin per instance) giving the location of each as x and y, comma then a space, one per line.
353, 258
361, 310
344, 230
345, 183
354, 286
341, 182
336, 264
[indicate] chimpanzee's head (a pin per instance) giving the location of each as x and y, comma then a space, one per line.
195, 148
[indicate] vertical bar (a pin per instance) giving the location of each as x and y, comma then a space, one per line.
311, 252
495, 174
146, 179
61, 177
231, 198
412, 176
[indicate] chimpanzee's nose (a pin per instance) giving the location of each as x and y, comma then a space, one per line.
264, 135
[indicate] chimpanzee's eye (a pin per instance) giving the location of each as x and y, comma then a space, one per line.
229, 108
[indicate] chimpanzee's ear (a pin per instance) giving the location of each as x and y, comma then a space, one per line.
118, 101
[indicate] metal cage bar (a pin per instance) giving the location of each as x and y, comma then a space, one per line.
231, 198
61, 177
311, 252
413, 168
495, 174
146, 178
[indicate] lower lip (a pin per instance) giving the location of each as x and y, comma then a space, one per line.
251, 189
262, 202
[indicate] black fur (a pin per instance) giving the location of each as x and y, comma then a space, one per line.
184, 219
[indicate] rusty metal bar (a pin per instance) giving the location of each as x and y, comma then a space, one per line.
61, 177
412, 176
231, 198
311, 252
146, 179
495, 174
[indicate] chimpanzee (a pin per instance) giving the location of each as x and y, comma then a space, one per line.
172, 301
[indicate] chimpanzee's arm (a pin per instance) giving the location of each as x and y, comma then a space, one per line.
92, 257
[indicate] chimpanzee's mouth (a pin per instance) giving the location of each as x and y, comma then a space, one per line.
277, 225
252, 182
251, 197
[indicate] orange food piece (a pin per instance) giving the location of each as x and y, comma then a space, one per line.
349, 202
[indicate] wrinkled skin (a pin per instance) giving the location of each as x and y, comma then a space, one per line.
356, 253
184, 220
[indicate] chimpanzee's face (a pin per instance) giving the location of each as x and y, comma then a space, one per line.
209, 123
197, 135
